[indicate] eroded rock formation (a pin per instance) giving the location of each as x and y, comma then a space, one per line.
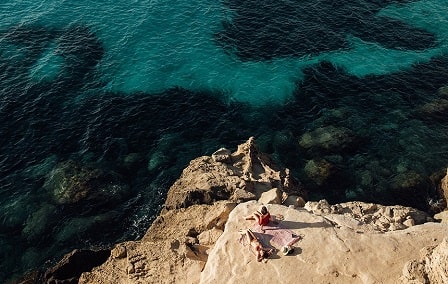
239, 176
195, 237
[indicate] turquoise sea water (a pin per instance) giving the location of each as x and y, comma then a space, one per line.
139, 88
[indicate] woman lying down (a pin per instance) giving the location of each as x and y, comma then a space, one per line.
256, 246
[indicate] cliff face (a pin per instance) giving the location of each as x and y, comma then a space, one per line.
195, 239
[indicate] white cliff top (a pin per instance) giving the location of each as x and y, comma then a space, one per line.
329, 252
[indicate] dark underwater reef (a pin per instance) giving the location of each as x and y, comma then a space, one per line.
268, 29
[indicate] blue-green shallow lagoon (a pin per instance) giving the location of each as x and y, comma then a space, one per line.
136, 89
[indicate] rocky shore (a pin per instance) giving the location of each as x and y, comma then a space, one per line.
195, 238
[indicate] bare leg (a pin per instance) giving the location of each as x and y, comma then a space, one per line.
250, 217
253, 234
254, 216
250, 235
257, 216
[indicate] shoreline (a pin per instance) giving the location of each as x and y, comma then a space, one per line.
205, 194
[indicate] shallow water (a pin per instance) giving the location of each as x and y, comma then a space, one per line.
139, 88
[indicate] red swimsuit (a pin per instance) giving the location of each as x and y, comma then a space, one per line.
264, 219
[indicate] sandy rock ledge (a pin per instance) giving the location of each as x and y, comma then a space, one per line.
195, 238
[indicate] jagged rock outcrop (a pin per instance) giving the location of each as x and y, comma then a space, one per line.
194, 215
369, 216
174, 250
240, 176
195, 237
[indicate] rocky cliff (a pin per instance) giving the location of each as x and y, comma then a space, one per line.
196, 239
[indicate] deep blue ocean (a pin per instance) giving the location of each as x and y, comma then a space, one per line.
131, 91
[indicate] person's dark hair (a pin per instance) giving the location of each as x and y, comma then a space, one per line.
264, 210
265, 254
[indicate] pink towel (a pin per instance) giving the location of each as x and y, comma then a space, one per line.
276, 234
260, 237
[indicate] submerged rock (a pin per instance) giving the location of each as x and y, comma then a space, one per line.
43, 168
39, 221
329, 139
443, 91
71, 182
436, 107
412, 189
319, 170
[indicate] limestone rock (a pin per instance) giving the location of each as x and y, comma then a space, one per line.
436, 264
273, 196
119, 251
294, 201
326, 253
444, 186
442, 216
369, 216
222, 155
209, 237
173, 250
206, 180
195, 238
242, 195
409, 222
320, 207
432, 267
